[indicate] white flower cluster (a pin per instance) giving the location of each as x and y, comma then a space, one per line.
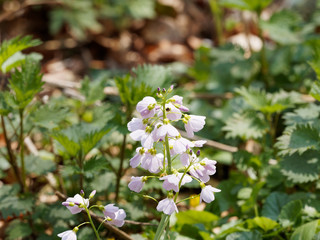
155, 129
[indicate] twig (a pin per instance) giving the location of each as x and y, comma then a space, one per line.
212, 143
120, 234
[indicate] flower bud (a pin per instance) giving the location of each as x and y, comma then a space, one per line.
76, 229
163, 90
170, 89
158, 89
82, 193
198, 153
92, 194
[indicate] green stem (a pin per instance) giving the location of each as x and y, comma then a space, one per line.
163, 223
120, 170
11, 157
91, 222
23, 169
216, 12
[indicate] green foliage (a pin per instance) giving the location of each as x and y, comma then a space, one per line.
255, 235
39, 166
301, 168
92, 91
299, 139
246, 125
306, 231
17, 230
273, 205
25, 84
145, 81
193, 217
11, 205
251, 5
266, 224
10, 55
290, 214
80, 138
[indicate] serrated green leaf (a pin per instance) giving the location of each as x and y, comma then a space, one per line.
71, 147
301, 168
92, 90
4, 107
255, 235
39, 166
194, 217
273, 205
95, 164
10, 204
18, 230
265, 223
49, 116
306, 231
18, 59
303, 116
247, 125
298, 139
290, 213
12, 46
26, 83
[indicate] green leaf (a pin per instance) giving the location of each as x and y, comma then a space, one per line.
26, 83
70, 146
255, 235
93, 90
95, 164
39, 166
273, 205
299, 139
315, 90
266, 224
12, 46
251, 5
290, 213
301, 168
303, 116
18, 59
18, 230
11, 205
4, 107
193, 217
306, 231
49, 116
247, 125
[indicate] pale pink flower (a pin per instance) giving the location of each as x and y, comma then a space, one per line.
193, 123
180, 145
171, 182
114, 215
199, 143
172, 112
167, 206
198, 171
135, 161
209, 166
145, 136
177, 102
207, 194
136, 124
166, 129
184, 158
136, 184
68, 235
74, 204
152, 162
147, 107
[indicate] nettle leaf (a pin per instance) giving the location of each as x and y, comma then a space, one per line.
306, 231
315, 90
39, 166
268, 102
95, 164
246, 125
93, 90
194, 217
26, 83
290, 213
4, 107
17, 44
70, 146
255, 235
273, 205
301, 168
18, 59
10, 204
18, 230
303, 116
144, 82
298, 139
265, 223
49, 116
